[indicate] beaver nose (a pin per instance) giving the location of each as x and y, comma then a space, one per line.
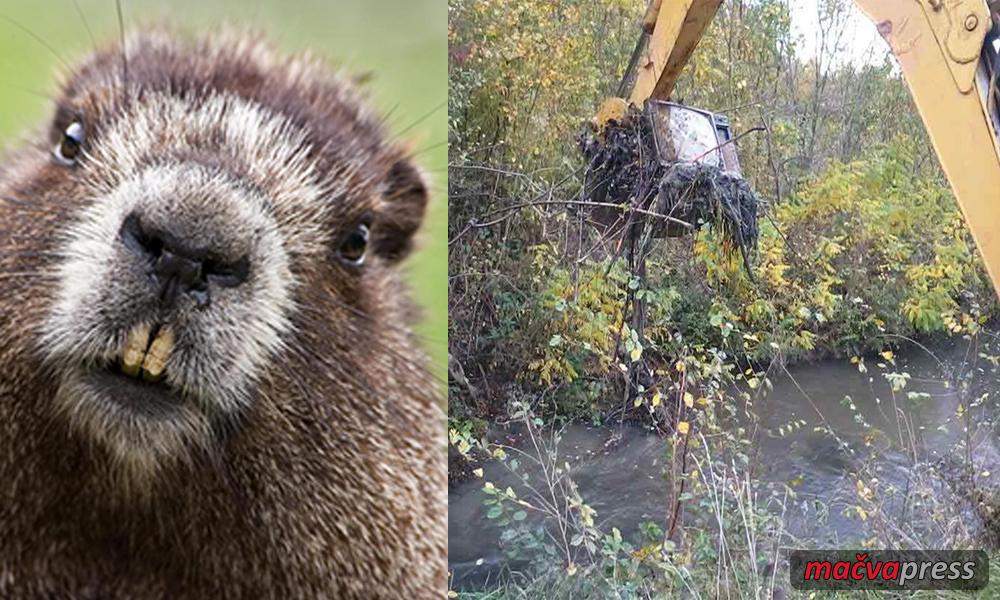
175, 273
176, 268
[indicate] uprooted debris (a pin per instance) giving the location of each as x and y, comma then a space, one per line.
625, 170
706, 194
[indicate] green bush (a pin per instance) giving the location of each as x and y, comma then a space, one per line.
865, 252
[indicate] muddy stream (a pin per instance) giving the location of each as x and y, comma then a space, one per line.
619, 470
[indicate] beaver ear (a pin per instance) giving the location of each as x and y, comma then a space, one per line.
400, 212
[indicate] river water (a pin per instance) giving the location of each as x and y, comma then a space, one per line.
619, 470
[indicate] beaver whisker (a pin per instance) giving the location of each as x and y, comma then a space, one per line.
40, 41
421, 119
124, 48
86, 25
386, 117
34, 92
426, 149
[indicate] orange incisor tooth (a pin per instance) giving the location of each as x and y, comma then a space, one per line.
135, 350
159, 352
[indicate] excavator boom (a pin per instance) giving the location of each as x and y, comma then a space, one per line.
940, 48
671, 30
675, 27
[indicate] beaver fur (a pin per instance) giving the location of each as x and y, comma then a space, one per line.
320, 469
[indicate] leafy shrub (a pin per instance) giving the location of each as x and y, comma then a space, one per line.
866, 250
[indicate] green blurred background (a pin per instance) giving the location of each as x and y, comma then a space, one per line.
402, 43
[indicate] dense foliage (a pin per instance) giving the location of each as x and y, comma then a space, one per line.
861, 246
862, 241
864, 250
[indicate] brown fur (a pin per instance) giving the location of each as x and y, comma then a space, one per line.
331, 482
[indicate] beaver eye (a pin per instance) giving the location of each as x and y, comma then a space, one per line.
71, 145
352, 250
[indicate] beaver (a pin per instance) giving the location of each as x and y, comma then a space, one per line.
208, 383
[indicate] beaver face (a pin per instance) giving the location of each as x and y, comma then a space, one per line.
217, 198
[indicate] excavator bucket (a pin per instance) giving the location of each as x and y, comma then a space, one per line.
673, 167
655, 162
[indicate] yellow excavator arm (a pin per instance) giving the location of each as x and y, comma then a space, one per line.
940, 46
948, 56
671, 30
675, 28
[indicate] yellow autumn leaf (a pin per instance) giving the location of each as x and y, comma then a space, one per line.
646, 551
478, 472
635, 354
637, 402
682, 427
656, 399
688, 400
680, 366
888, 355
864, 492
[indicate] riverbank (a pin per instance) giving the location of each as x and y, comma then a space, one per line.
836, 453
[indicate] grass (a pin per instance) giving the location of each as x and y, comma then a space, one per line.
403, 43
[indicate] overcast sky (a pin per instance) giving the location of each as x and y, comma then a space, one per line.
863, 41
